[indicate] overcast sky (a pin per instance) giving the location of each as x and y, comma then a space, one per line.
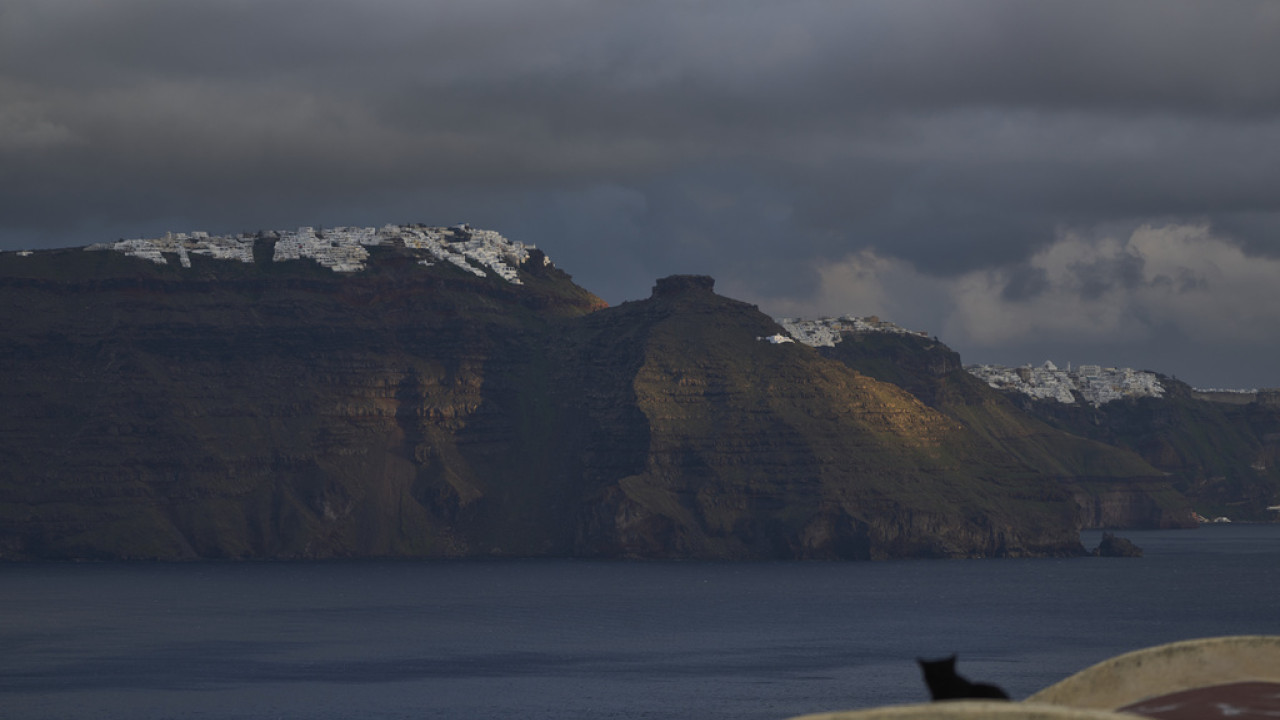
1094, 182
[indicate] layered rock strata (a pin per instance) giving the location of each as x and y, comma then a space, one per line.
231, 409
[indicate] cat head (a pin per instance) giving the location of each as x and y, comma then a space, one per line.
946, 665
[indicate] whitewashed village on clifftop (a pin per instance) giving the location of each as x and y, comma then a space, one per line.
343, 249
1094, 384
1091, 383
826, 331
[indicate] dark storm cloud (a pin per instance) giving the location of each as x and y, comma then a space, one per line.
756, 141
1025, 282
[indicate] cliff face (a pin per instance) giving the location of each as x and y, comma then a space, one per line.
1113, 486
763, 450
1133, 504
282, 410
1224, 457
267, 410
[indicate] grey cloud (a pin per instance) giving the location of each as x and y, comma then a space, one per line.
1191, 281
1025, 282
1256, 231
1097, 277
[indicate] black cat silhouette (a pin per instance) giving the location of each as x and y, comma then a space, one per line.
945, 684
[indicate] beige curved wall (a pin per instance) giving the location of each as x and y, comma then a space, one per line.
1151, 672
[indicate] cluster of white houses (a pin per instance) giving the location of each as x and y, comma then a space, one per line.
825, 331
343, 249
1092, 383
184, 245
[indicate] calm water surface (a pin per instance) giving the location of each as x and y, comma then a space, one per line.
574, 639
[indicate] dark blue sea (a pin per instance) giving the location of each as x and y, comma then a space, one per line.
575, 639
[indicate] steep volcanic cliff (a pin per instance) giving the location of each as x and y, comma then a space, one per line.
257, 410
214, 409
1223, 457
1114, 487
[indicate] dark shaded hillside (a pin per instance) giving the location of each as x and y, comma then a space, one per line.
1225, 458
1114, 487
268, 410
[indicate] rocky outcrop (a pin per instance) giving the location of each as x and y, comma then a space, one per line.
1112, 546
674, 285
